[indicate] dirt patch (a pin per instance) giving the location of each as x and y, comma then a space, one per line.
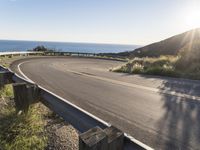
61, 135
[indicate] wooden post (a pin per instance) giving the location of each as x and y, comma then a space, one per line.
93, 139
25, 95
115, 138
5, 78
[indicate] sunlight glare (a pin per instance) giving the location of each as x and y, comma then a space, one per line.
193, 18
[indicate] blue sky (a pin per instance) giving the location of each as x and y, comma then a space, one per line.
98, 21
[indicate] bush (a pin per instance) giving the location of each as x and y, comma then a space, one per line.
137, 68
40, 49
7, 91
186, 64
163, 65
161, 71
124, 69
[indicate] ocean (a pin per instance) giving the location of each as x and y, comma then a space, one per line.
11, 45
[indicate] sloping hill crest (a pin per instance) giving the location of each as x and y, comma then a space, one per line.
170, 46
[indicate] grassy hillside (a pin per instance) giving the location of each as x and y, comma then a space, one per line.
184, 61
170, 46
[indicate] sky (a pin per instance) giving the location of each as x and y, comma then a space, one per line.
139, 22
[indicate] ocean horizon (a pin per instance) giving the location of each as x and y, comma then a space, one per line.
15, 45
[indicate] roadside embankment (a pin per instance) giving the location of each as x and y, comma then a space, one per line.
180, 66
185, 65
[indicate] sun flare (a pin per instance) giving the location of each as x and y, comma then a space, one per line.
192, 17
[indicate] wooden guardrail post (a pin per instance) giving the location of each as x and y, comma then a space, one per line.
115, 138
25, 95
110, 138
5, 78
93, 139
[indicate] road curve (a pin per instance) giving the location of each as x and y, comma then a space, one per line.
163, 113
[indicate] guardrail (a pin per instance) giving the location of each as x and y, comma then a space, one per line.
103, 135
18, 53
69, 54
49, 53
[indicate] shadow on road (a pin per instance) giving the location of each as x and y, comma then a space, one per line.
181, 120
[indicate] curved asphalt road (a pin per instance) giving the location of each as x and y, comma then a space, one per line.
163, 113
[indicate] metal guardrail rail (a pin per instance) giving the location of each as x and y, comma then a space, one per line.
18, 53
77, 117
49, 53
46, 53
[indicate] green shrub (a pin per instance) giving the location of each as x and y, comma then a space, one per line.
137, 68
186, 64
161, 71
7, 91
163, 65
125, 68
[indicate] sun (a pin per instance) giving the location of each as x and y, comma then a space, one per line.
192, 17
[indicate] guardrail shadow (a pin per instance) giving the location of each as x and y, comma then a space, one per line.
181, 120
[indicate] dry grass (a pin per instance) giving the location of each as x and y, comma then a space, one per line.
186, 64
173, 66
25, 131
163, 65
39, 129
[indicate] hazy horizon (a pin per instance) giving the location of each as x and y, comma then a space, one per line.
21, 45
67, 42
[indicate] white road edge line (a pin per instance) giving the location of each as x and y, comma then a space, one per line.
61, 97
89, 114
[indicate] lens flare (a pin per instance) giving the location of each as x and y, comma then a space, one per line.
192, 18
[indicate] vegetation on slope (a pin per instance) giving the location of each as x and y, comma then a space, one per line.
163, 65
39, 129
185, 64
42, 49
189, 61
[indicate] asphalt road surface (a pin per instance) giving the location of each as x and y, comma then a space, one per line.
163, 113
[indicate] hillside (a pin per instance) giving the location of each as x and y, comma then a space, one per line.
184, 61
170, 46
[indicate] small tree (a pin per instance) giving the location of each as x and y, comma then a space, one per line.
40, 49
